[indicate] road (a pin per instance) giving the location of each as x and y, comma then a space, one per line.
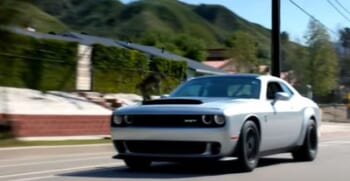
94, 162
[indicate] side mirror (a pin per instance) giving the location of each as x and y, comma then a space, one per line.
281, 96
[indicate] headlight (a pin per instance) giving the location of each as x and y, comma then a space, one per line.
118, 120
127, 120
213, 120
219, 120
207, 119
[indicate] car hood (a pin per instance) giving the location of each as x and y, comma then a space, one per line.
184, 105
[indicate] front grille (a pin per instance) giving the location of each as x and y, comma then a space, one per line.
166, 120
166, 147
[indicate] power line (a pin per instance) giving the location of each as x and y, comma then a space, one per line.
334, 7
311, 16
343, 7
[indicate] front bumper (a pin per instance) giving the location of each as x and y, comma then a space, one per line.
173, 143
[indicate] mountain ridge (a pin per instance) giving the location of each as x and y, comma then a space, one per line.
111, 18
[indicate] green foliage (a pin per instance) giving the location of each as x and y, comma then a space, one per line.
23, 14
321, 65
224, 22
345, 37
37, 63
117, 70
171, 72
6, 13
344, 55
122, 70
288, 52
296, 57
243, 49
181, 44
210, 24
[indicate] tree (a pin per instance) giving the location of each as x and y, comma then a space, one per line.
321, 66
243, 49
298, 59
191, 47
285, 52
345, 37
182, 44
344, 53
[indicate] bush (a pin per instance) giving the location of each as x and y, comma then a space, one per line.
37, 63
171, 72
117, 70
123, 70
51, 65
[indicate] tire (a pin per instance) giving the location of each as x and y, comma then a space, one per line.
249, 143
308, 151
137, 164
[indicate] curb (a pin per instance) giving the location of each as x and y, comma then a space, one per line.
53, 146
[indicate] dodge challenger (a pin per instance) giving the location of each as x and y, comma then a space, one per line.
243, 116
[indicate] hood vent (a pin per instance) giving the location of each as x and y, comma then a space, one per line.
172, 101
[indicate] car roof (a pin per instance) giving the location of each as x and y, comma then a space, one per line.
263, 78
240, 75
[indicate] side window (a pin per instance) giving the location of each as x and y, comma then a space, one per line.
272, 88
286, 89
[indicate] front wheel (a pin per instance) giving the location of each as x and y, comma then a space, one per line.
137, 164
249, 142
308, 151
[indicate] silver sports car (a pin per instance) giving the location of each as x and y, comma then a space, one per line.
212, 117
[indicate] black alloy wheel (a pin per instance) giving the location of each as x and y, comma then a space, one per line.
308, 151
248, 153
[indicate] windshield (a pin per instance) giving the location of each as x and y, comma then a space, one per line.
232, 87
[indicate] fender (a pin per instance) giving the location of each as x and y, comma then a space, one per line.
242, 119
309, 112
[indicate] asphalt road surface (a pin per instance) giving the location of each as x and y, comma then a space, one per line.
95, 163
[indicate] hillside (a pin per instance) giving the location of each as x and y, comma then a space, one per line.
178, 27
225, 22
112, 18
23, 14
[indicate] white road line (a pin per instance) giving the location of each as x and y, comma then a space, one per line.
334, 143
34, 178
54, 161
60, 156
59, 170
340, 142
324, 145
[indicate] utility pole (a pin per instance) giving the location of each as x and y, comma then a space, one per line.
275, 38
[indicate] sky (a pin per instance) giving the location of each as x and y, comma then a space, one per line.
293, 20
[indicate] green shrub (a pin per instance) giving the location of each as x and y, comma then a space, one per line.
51, 65
117, 70
37, 63
122, 70
171, 72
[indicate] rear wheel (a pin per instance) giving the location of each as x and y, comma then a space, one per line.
137, 164
248, 153
308, 151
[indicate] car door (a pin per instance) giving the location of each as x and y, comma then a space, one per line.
280, 124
